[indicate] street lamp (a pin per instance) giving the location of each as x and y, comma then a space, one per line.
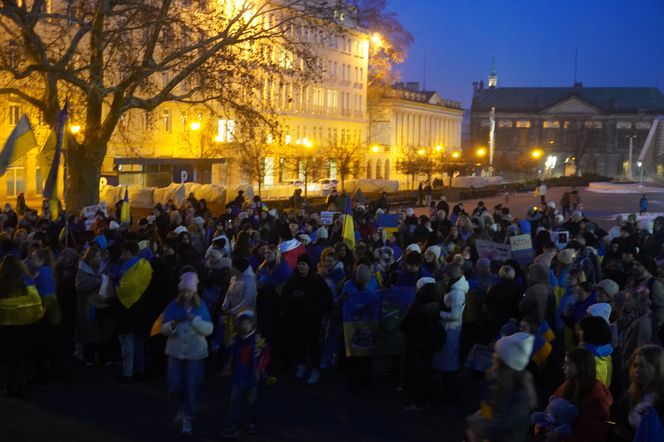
196, 125
421, 152
439, 148
456, 155
375, 149
377, 40
481, 152
537, 153
631, 137
75, 128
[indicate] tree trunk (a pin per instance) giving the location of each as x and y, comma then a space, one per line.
84, 170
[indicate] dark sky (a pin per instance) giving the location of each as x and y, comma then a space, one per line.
619, 42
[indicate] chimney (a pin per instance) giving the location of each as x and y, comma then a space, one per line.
481, 85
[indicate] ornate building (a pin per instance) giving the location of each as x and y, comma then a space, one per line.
405, 121
579, 129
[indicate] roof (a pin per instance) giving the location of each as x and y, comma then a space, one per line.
536, 99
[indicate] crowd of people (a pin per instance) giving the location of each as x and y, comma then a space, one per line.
570, 341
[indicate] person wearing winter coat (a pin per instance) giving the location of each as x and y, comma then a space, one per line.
21, 311
538, 303
241, 294
417, 325
447, 360
132, 280
595, 336
591, 397
272, 274
503, 416
502, 302
307, 298
186, 323
634, 327
93, 313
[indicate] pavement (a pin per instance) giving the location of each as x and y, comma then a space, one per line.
88, 404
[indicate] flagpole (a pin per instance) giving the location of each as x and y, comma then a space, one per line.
65, 193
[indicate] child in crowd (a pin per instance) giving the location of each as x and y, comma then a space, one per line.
249, 358
186, 323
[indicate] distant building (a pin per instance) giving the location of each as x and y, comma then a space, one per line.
579, 129
405, 120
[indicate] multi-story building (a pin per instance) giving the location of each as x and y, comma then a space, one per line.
406, 120
180, 142
578, 129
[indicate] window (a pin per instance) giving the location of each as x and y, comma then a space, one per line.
39, 181
225, 129
166, 120
593, 124
147, 121
551, 124
14, 114
504, 123
319, 99
523, 124
623, 125
332, 101
15, 177
643, 125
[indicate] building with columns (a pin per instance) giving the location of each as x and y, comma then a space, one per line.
579, 129
405, 120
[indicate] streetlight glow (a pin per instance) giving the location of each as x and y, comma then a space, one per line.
537, 153
196, 125
307, 143
481, 151
377, 40
421, 152
75, 128
375, 149
439, 148
456, 155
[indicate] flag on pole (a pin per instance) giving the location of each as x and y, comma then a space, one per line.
50, 192
47, 153
125, 214
348, 231
20, 141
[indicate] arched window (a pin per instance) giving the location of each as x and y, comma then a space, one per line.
379, 170
369, 169
387, 169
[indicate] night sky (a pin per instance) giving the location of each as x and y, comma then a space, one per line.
619, 42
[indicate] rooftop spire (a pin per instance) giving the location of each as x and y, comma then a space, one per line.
493, 77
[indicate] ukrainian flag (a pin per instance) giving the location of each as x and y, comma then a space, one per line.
51, 187
542, 345
348, 230
20, 141
125, 213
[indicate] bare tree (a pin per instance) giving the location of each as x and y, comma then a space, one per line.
307, 161
109, 57
345, 154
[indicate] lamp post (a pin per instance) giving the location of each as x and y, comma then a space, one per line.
308, 145
630, 174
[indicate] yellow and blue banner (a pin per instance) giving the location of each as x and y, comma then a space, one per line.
20, 141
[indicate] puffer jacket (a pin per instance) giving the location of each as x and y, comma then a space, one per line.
455, 300
186, 337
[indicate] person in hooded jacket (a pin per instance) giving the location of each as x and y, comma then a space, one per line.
502, 302
307, 298
447, 359
538, 303
417, 325
595, 336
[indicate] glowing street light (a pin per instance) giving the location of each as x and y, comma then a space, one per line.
481, 152
307, 143
536, 153
196, 125
421, 152
456, 155
439, 148
377, 40
75, 128
375, 149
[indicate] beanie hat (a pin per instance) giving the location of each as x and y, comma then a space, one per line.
304, 258
538, 273
609, 286
305, 239
436, 250
566, 256
601, 310
410, 211
515, 350
113, 225
559, 219
424, 281
180, 229
272, 213
483, 262
322, 233
413, 248
188, 281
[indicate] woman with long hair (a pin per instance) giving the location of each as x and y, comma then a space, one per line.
592, 399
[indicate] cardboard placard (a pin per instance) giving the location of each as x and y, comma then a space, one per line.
522, 248
326, 218
493, 250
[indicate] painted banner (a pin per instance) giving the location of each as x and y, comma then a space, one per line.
371, 321
522, 249
493, 250
89, 213
389, 222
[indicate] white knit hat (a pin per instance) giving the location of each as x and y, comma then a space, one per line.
600, 310
436, 250
410, 211
515, 350
414, 248
609, 286
424, 281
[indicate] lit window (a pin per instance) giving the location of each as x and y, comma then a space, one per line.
624, 125
505, 123
166, 120
643, 125
551, 124
523, 124
225, 129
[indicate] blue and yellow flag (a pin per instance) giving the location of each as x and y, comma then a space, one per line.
348, 230
50, 192
20, 141
125, 213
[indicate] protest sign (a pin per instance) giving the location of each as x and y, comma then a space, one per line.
522, 249
89, 213
326, 218
389, 222
493, 250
